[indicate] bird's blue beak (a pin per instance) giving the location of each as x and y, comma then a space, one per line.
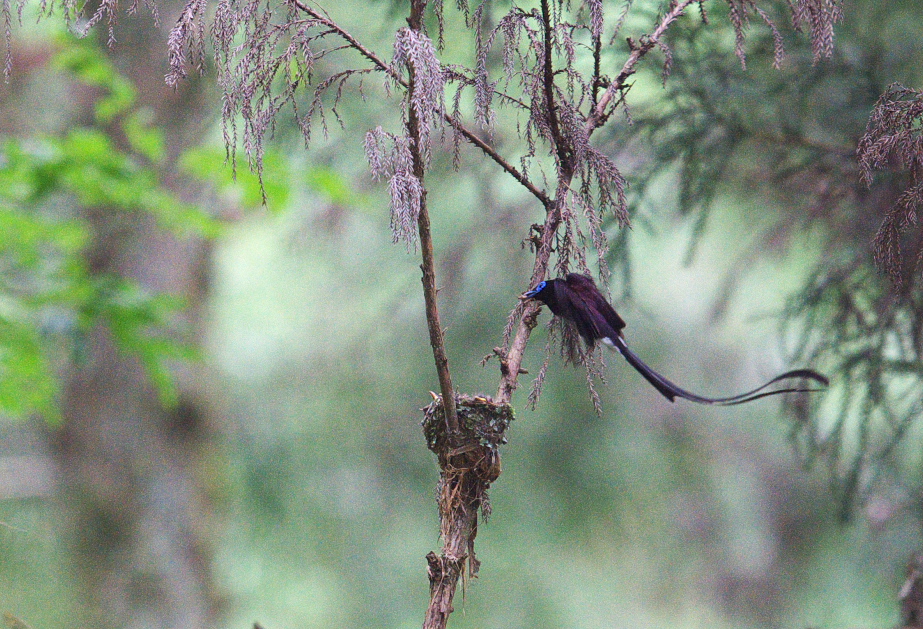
532, 293
535, 291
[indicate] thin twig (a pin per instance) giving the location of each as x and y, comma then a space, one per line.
355, 43
558, 139
597, 75
539, 194
436, 336
601, 112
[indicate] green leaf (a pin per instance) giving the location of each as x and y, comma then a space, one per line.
83, 59
331, 184
243, 186
49, 298
27, 383
144, 138
139, 321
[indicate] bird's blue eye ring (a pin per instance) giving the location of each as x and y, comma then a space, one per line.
535, 291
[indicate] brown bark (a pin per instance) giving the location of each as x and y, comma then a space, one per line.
428, 266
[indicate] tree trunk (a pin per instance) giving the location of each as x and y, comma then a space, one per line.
132, 469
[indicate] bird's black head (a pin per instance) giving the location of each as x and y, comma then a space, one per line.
545, 293
540, 292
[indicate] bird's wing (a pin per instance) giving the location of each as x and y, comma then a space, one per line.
672, 391
586, 302
573, 305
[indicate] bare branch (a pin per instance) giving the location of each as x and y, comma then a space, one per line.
418, 123
499, 160
558, 141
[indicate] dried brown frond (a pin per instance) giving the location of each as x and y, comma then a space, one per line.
739, 13
594, 366
73, 11
187, 40
266, 58
414, 51
821, 16
511, 320
598, 193
484, 88
8, 36
899, 232
778, 46
535, 392
439, 12
108, 11
667, 61
563, 335
893, 140
390, 158
623, 14
595, 8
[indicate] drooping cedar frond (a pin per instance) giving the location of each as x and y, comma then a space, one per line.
819, 15
563, 336
893, 132
187, 40
8, 37
390, 158
893, 140
74, 13
846, 320
266, 56
414, 51
740, 14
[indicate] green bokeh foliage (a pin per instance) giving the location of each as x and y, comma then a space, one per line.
49, 297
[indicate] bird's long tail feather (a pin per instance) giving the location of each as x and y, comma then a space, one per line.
671, 391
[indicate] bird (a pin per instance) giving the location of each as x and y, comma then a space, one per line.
576, 298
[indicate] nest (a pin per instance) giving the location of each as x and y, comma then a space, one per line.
482, 430
469, 461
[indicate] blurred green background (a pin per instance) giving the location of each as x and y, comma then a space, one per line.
310, 490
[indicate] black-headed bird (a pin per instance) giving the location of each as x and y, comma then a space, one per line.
576, 299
